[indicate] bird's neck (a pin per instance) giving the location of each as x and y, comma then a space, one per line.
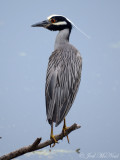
62, 38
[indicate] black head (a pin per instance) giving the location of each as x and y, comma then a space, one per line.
55, 23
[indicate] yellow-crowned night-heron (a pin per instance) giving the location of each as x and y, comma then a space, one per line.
63, 73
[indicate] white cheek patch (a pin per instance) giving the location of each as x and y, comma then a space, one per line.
60, 23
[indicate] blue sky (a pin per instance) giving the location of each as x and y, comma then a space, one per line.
24, 53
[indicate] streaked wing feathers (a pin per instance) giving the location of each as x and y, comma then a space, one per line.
62, 81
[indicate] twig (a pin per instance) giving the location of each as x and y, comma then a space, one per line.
37, 145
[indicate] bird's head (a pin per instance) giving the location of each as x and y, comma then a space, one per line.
55, 23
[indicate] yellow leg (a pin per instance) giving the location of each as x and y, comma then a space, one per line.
64, 129
52, 136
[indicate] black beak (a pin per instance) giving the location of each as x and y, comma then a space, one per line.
42, 24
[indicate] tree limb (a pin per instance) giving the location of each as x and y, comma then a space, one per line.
37, 145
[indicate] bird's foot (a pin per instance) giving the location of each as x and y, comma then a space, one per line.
55, 141
64, 130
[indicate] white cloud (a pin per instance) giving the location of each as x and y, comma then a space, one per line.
49, 154
115, 45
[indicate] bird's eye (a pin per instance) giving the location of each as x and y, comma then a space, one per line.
53, 20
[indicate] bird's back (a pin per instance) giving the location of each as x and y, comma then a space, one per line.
62, 82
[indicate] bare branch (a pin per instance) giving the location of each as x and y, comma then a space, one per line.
37, 141
37, 145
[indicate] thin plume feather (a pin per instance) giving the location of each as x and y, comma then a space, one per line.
79, 29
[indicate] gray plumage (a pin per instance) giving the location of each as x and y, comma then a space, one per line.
63, 78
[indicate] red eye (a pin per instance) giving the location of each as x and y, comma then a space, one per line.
53, 20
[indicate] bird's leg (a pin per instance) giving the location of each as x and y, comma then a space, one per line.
64, 129
52, 136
